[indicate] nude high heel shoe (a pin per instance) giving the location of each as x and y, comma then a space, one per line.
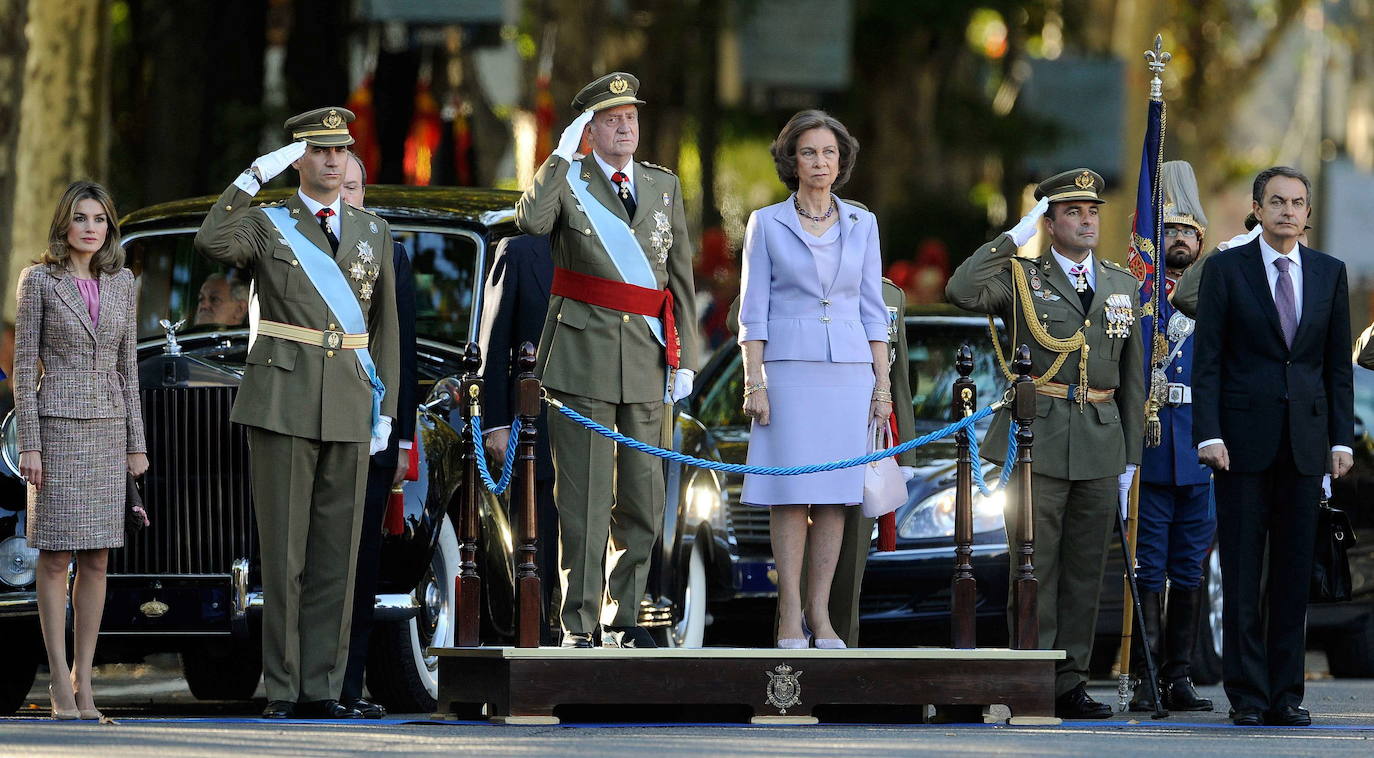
58, 713
92, 714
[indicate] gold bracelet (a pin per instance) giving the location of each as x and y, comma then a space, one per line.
750, 389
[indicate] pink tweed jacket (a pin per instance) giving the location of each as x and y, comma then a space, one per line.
87, 371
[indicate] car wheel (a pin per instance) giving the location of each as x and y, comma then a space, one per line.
220, 671
690, 630
19, 665
1350, 649
400, 673
1206, 667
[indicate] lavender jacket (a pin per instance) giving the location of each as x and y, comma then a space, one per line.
784, 302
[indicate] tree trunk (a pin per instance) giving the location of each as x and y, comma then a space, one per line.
13, 15
64, 123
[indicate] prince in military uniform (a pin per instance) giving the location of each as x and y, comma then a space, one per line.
619, 344
1078, 314
314, 397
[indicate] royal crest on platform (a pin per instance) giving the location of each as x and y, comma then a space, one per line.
365, 270
784, 691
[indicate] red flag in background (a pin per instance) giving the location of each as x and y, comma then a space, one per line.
543, 120
364, 128
423, 139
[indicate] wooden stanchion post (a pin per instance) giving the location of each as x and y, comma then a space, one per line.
963, 589
1026, 635
527, 580
469, 590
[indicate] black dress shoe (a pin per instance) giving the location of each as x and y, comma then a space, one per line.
326, 709
627, 636
1246, 717
1288, 715
1078, 704
581, 640
1181, 695
369, 709
279, 709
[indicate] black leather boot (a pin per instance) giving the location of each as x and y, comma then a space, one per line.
1180, 639
1151, 612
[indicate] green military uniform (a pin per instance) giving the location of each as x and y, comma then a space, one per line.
1080, 448
1184, 296
308, 408
858, 528
608, 365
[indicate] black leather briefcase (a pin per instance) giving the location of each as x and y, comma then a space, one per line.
1331, 564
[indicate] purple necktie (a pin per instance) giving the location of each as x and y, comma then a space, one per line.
1283, 299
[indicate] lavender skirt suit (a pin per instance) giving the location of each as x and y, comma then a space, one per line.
816, 303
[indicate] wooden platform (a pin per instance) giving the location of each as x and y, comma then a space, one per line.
526, 685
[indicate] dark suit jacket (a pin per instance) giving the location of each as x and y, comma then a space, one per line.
1247, 383
403, 427
514, 304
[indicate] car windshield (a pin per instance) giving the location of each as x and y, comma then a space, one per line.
932, 344
176, 283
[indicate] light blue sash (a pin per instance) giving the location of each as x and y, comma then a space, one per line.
329, 281
618, 241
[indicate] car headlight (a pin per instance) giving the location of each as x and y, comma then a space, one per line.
703, 500
934, 516
18, 562
9, 444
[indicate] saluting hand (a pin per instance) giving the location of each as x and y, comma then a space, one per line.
275, 162
572, 137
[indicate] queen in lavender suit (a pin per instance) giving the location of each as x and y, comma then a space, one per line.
813, 330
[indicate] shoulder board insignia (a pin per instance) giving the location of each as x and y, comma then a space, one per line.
664, 169
1117, 266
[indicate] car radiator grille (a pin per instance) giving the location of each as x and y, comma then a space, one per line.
196, 490
749, 523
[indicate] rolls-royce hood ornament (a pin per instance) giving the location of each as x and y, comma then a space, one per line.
172, 347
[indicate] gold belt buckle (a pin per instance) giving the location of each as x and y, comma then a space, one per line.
333, 340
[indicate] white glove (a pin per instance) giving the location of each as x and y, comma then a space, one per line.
275, 162
1025, 228
682, 383
572, 137
1123, 488
1326, 486
1241, 239
382, 437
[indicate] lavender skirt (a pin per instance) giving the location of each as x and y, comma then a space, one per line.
819, 413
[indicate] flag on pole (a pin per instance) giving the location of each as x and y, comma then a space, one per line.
1145, 229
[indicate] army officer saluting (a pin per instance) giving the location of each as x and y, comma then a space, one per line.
314, 397
1079, 312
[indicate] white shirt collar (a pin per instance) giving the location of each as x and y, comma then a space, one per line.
609, 170
314, 206
1067, 264
1270, 254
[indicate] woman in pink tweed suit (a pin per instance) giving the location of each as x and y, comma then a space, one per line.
80, 424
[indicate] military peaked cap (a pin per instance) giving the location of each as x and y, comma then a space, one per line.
618, 88
326, 127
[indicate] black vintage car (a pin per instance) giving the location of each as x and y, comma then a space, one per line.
190, 583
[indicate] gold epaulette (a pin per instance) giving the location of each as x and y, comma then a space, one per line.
664, 169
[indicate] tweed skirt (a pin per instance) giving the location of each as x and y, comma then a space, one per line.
81, 505
818, 412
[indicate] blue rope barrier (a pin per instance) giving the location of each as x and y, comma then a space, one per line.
507, 468
1007, 463
742, 468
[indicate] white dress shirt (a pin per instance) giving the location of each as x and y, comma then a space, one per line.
1271, 272
1067, 264
314, 206
609, 170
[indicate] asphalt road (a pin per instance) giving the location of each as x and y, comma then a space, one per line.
156, 716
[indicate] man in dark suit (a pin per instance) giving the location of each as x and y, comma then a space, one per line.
387, 468
514, 304
1273, 407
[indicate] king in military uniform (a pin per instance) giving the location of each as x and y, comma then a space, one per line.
619, 345
1078, 313
314, 397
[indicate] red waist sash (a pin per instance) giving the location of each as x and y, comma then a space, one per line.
620, 296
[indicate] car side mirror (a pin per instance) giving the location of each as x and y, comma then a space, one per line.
443, 397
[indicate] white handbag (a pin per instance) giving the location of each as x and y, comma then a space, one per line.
884, 485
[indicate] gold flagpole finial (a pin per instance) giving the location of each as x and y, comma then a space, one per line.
1156, 60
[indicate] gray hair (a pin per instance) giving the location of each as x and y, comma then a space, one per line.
1269, 173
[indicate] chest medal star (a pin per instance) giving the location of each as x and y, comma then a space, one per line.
364, 270
661, 239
